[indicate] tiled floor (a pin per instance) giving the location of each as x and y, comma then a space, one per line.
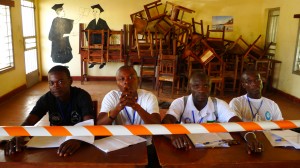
14, 110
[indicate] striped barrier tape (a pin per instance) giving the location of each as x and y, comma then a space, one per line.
147, 129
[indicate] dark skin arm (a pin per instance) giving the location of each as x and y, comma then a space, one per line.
16, 144
71, 146
129, 99
180, 141
253, 145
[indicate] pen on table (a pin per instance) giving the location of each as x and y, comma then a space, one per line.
279, 140
206, 143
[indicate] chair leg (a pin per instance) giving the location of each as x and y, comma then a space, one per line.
158, 87
172, 91
140, 83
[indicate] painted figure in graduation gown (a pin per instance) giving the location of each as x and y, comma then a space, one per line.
59, 35
97, 24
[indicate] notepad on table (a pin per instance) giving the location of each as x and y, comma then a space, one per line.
203, 140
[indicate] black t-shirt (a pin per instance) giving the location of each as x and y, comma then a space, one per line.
61, 113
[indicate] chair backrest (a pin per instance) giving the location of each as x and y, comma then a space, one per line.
208, 54
194, 24
96, 43
144, 44
219, 37
238, 47
264, 68
167, 63
215, 69
152, 11
115, 45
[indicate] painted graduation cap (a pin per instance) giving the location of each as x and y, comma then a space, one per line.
57, 6
97, 6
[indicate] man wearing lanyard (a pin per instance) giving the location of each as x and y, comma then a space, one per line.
130, 105
201, 108
253, 106
66, 105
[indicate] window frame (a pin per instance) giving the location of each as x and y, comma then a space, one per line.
296, 66
9, 4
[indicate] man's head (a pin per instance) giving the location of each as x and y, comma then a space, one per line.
252, 83
127, 78
97, 9
60, 81
59, 9
199, 85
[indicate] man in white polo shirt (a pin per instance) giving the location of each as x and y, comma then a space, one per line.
253, 106
199, 107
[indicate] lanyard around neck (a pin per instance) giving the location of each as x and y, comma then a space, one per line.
253, 115
194, 118
128, 116
133, 118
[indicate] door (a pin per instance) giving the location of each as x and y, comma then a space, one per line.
271, 33
30, 42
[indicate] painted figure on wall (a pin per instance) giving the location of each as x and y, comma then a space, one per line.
61, 27
97, 24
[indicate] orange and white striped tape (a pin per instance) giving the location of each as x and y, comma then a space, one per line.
147, 129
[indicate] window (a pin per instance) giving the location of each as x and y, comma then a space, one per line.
296, 69
6, 48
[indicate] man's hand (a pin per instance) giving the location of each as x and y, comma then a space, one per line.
128, 98
69, 147
253, 145
181, 142
14, 145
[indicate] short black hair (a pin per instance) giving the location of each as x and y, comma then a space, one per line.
248, 72
126, 67
200, 74
60, 68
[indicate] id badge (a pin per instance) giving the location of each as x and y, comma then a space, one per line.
257, 118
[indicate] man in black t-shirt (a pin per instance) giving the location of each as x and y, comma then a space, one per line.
65, 104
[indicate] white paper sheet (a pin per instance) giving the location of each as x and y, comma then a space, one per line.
290, 136
56, 141
88, 139
113, 143
276, 140
45, 142
210, 139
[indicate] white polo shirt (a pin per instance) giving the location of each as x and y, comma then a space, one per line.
263, 109
128, 116
146, 100
192, 115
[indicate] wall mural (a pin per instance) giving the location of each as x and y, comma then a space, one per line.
61, 51
97, 24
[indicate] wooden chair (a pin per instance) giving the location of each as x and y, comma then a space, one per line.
144, 43
148, 69
264, 68
215, 72
115, 44
231, 74
167, 69
260, 53
195, 25
96, 41
152, 10
217, 40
